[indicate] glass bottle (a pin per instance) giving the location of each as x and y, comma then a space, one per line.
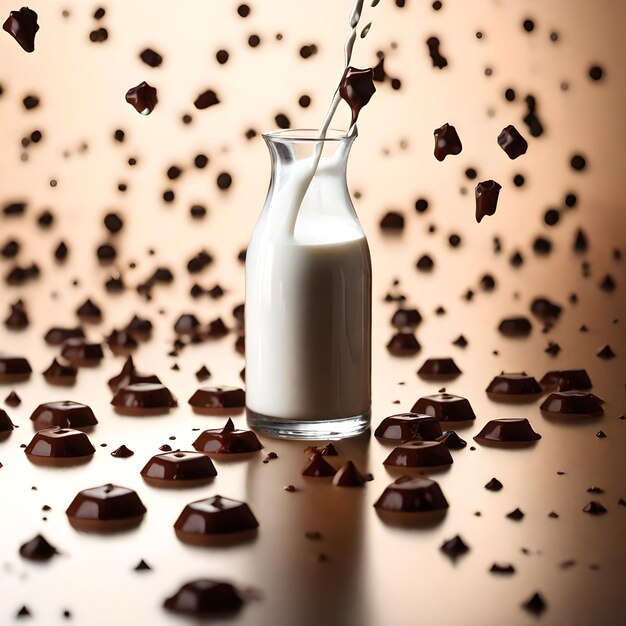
308, 296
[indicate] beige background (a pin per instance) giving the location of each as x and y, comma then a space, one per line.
376, 574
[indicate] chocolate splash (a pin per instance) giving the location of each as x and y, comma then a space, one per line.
357, 88
143, 98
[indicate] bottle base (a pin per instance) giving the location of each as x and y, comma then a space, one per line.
308, 429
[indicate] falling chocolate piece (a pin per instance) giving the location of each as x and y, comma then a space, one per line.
59, 447
454, 548
178, 469
419, 454
357, 88
566, 380
57, 336
451, 440
403, 343
227, 440
142, 566
535, 604
545, 310
318, 467
129, 375
348, 476
439, 369
143, 98
406, 318
572, 404
18, 317
512, 142
516, 515
60, 373
65, 414
38, 549
151, 57
493, 485
82, 353
447, 142
515, 327
206, 99
22, 26
218, 400
392, 221
514, 388
203, 597
445, 407
439, 61
139, 328
215, 518
409, 427
108, 508
507, 432
486, 194
122, 452
14, 369
143, 399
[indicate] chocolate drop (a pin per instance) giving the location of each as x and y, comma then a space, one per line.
493, 485
357, 88
535, 604
122, 452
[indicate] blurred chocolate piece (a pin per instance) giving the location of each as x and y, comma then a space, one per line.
357, 88
139, 328
59, 447
14, 369
57, 336
22, 26
348, 476
20, 275
516, 515
108, 508
439, 61
452, 441
215, 519
90, 312
143, 399
151, 57
121, 342
493, 485
187, 324
13, 399
439, 369
445, 407
406, 318
227, 440
129, 376
566, 380
206, 99
606, 353
178, 469
18, 317
63, 374
408, 427
515, 327
425, 263
486, 194
403, 343
572, 404
454, 548
411, 495
392, 221
535, 604
6, 425
514, 388
512, 142
447, 142
38, 549
507, 431
594, 508
318, 467
218, 400
143, 98
419, 454
82, 353
203, 597
545, 310
216, 329
64, 414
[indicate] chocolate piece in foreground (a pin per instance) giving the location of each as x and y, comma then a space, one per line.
216, 518
38, 549
318, 467
144, 399
59, 446
82, 353
514, 388
64, 414
452, 441
408, 427
204, 597
14, 369
515, 326
108, 508
227, 440
143, 98
419, 454
439, 369
566, 380
348, 476
581, 404
512, 142
409, 495
22, 26
129, 375
447, 142
178, 469
486, 194
403, 343
58, 373
217, 400
507, 431
445, 407
357, 88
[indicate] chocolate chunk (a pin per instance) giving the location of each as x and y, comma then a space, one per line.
606, 353
218, 400
122, 452
357, 88
186, 324
409, 427
419, 454
121, 342
403, 343
139, 328
64, 414
460, 341
578, 162
18, 317
10, 249
514, 388
535, 604
425, 263
59, 373
519, 326
199, 261
545, 309
447, 142
409, 495
439, 369
502, 568
216, 518
60, 447
151, 57
108, 508
566, 380
204, 597
486, 193
406, 318
445, 407
82, 353
38, 549
227, 440
393, 221
203, 374
13, 399
142, 566
13, 368
507, 431
178, 469
130, 375
22, 26
143, 399
57, 336
452, 441
512, 142
493, 485
516, 515
327, 450
572, 404
6, 425
61, 252
318, 467
20, 275
143, 98
206, 99
90, 312
454, 548
270, 456
113, 223
439, 61
348, 476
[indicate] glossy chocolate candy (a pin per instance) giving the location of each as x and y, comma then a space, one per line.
14, 369
348, 476
205, 598
408, 427
572, 404
6, 425
178, 470
227, 441
143, 98
218, 400
439, 369
426, 455
59, 447
22, 26
514, 388
445, 407
38, 549
566, 380
64, 414
60, 373
144, 399
512, 142
104, 509
452, 441
129, 375
507, 432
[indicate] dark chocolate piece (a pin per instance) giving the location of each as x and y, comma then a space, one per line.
566, 380
206, 99
121, 342
581, 404
204, 597
454, 548
318, 467
409, 427
18, 317
507, 431
425, 263
14, 369
545, 310
89, 311
142, 566
129, 376
514, 388
143, 399
535, 604
64, 414
13, 399
419, 454
348, 476
403, 343
486, 194
82, 353
594, 508
59, 373
502, 568
439, 61
516, 515
445, 407
447, 142
151, 57
452, 441
57, 336
142, 97
512, 142
187, 324
59, 446
178, 469
606, 353
218, 400
515, 327
6, 425
22, 26
38, 549
406, 318
227, 440
412, 495
392, 221
122, 452
439, 369
493, 485
357, 88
